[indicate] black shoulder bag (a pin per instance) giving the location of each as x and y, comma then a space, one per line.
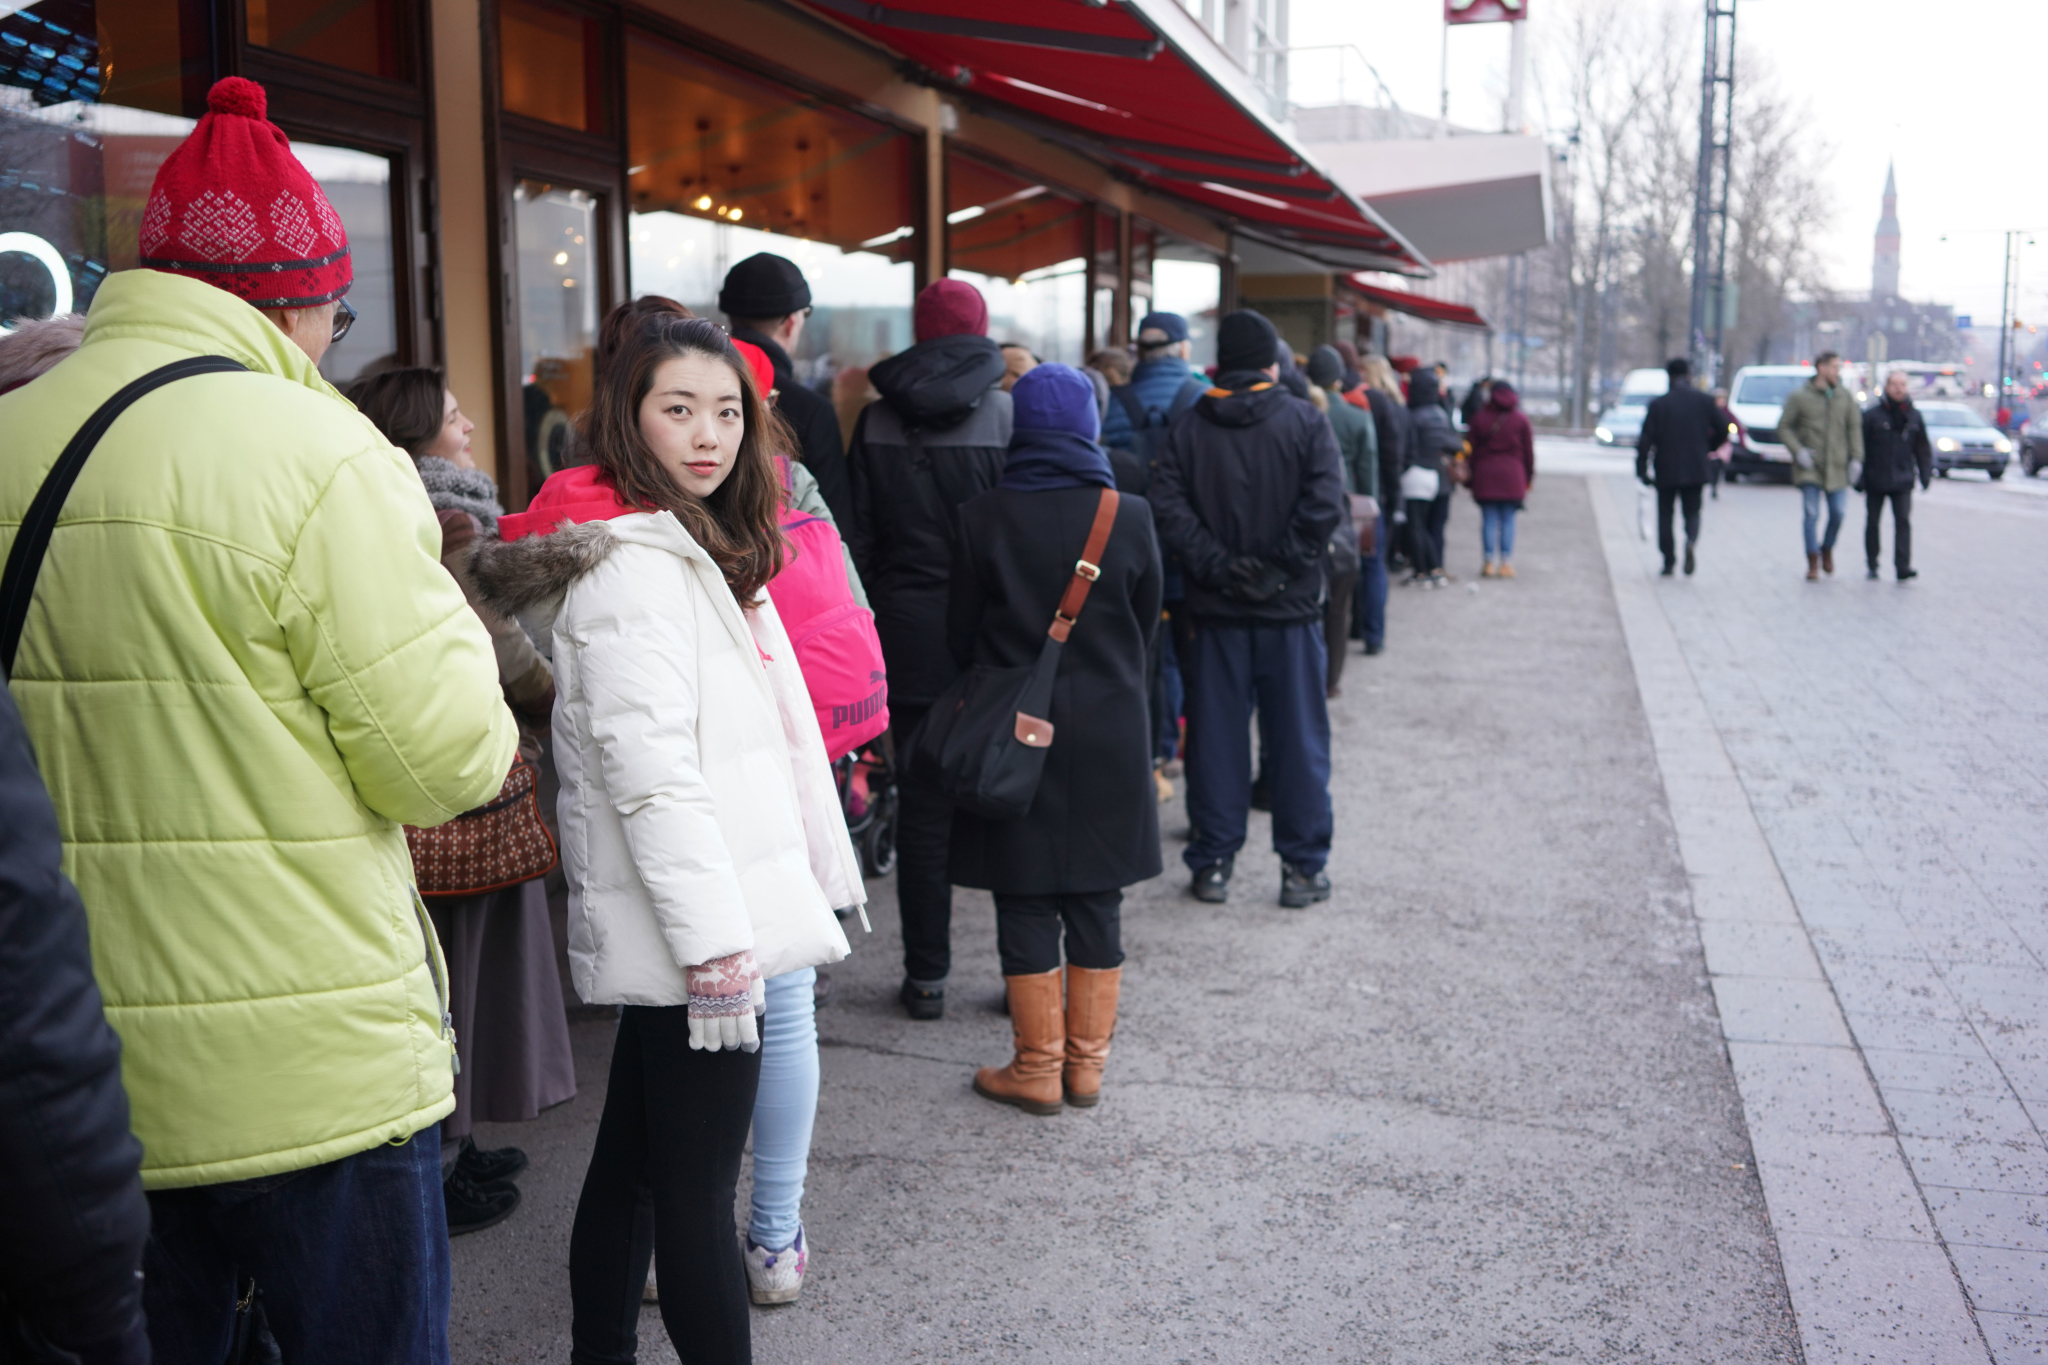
985, 738
32, 540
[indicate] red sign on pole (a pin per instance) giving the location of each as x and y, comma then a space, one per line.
1485, 11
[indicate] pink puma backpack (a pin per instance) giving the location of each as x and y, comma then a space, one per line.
833, 635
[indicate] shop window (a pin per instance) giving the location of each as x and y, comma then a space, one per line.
723, 165
77, 177
359, 35
559, 296
1188, 281
551, 65
1025, 247
128, 52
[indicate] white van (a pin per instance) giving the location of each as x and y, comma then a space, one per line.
1622, 423
1756, 395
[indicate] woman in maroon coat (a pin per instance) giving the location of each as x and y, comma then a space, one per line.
1503, 467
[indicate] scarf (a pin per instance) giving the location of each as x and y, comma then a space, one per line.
1897, 415
1041, 460
449, 485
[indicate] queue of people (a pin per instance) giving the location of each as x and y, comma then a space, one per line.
334, 737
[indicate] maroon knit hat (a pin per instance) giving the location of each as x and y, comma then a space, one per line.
234, 208
949, 308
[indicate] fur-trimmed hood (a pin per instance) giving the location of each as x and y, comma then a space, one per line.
515, 577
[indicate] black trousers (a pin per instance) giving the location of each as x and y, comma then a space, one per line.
924, 834
1687, 497
1028, 931
1337, 624
1426, 523
675, 1122
1902, 526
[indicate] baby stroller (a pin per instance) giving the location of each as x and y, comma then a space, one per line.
867, 793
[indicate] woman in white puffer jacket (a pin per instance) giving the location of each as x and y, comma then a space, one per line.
701, 830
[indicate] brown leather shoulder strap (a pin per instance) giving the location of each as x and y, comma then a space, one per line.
1087, 569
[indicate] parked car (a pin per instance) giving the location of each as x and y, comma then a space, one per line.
1622, 423
2034, 447
1964, 439
1756, 395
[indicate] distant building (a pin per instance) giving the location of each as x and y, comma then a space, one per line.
1884, 259
1910, 331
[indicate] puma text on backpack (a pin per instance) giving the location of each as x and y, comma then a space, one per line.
833, 635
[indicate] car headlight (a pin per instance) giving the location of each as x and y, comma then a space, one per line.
1947, 445
2002, 446
1602, 434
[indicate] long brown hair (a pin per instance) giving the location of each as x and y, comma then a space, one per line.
739, 524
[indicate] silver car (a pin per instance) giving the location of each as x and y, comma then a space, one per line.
1964, 440
1622, 423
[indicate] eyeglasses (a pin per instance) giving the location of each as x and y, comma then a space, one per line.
344, 318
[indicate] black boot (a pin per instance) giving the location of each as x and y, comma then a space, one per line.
1212, 883
1691, 562
1299, 889
473, 1207
923, 1003
489, 1168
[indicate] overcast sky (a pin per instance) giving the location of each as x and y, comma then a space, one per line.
1925, 84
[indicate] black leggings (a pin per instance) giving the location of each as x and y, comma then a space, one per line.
1028, 931
675, 1121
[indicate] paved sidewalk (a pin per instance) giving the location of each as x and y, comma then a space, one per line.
1870, 882
1476, 1107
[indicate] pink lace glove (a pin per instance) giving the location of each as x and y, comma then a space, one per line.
725, 996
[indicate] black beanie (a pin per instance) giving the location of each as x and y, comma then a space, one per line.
1246, 341
764, 286
1325, 367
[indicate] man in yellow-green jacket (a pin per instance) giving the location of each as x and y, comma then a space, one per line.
1822, 428
242, 669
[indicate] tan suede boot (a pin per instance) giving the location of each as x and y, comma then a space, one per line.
1038, 1024
1091, 1021
1812, 567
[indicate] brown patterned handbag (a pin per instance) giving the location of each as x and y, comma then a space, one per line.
499, 844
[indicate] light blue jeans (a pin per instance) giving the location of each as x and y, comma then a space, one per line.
785, 1107
1838, 503
1497, 529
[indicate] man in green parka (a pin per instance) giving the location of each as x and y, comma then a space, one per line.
243, 668
1822, 428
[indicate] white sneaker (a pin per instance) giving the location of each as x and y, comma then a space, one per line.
777, 1276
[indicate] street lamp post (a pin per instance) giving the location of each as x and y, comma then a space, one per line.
1710, 193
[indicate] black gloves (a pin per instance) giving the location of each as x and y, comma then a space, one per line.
1252, 579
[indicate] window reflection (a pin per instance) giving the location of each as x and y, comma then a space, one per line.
551, 64
558, 310
1192, 288
723, 165
358, 184
360, 35
1025, 248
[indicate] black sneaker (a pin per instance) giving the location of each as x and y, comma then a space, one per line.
489, 1168
1299, 889
1873, 572
1374, 646
1905, 574
1690, 562
473, 1207
1212, 883
1670, 567
922, 1003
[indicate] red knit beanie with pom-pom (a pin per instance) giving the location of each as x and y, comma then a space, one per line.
233, 207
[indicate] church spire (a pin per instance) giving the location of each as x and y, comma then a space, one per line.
1884, 260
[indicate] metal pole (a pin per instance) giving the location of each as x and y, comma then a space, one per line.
1727, 155
1518, 65
1443, 85
2004, 317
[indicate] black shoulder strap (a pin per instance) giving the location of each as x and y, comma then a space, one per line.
25, 559
1126, 396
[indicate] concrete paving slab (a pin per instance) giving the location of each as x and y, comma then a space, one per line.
2015, 1337
1806, 1090
1878, 1302
1988, 1219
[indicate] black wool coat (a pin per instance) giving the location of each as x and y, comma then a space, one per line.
1094, 825
1895, 454
1680, 432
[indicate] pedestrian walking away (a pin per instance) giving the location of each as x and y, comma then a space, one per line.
250, 612
768, 301
504, 990
1248, 489
1823, 431
936, 437
1058, 873
701, 858
1675, 454
1896, 453
1503, 468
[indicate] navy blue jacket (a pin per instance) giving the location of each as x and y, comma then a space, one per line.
72, 1214
1250, 472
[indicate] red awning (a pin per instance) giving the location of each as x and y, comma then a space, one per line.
1428, 309
1139, 85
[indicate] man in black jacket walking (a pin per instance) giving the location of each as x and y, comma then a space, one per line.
1895, 453
937, 436
1680, 432
1247, 491
72, 1214
767, 299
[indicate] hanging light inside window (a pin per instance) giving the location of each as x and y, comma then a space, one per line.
703, 202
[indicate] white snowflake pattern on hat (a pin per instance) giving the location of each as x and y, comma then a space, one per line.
156, 225
220, 227
292, 225
330, 221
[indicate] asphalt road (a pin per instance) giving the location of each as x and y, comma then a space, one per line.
1476, 1107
